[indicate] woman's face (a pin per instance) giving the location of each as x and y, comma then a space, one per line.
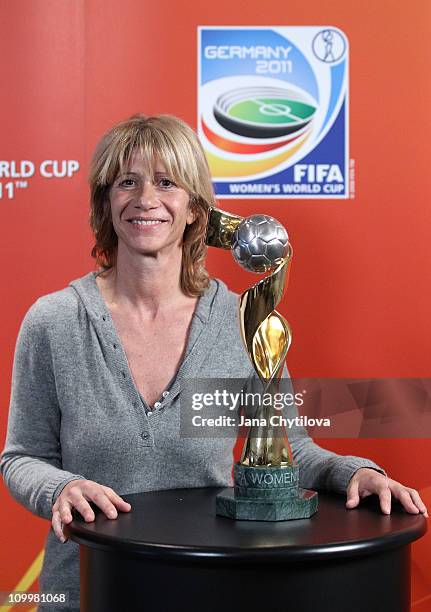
149, 215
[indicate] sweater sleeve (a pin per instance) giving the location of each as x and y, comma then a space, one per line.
319, 469
31, 462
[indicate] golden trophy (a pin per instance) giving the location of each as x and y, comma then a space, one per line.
266, 479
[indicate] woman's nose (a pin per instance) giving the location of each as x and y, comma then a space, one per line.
148, 195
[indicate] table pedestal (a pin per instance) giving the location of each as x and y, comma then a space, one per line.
376, 583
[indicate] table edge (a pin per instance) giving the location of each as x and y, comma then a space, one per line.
167, 552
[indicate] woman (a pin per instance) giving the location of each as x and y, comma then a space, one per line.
98, 366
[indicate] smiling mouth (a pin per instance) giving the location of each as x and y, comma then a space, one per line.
146, 221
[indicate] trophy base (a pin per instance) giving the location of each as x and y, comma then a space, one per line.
266, 493
303, 506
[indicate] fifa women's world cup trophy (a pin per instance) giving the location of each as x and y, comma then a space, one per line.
266, 479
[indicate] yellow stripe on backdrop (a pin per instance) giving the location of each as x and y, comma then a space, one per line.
27, 580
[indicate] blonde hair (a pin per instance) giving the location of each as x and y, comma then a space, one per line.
176, 145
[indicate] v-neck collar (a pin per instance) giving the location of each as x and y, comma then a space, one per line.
202, 325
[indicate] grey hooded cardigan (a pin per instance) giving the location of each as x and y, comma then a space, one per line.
75, 412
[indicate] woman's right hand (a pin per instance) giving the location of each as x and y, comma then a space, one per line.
77, 494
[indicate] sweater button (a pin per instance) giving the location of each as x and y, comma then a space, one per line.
145, 435
157, 404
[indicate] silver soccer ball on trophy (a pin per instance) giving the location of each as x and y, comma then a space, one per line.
259, 243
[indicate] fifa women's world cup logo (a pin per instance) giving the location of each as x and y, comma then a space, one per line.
266, 479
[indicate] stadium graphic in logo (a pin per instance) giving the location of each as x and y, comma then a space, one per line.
272, 117
262, 112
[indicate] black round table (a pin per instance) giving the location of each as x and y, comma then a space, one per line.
172, 553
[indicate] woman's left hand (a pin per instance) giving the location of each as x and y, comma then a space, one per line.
367, 481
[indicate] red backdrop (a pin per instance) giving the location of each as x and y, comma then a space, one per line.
359, 295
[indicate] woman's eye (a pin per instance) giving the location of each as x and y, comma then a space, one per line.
127, 183
166, 183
